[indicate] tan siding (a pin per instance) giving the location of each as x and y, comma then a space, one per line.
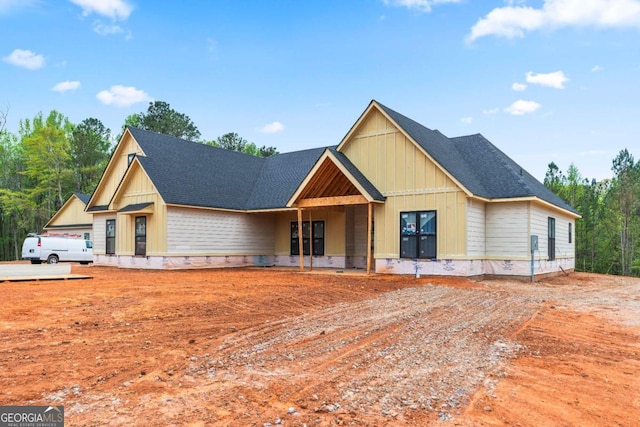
475, 228
195, 231
410, 181
72, 213
507, 230
116, 170
334, 240
137, 188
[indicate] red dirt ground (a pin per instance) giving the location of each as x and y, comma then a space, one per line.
263, 346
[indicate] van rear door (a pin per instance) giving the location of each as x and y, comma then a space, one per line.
31, 249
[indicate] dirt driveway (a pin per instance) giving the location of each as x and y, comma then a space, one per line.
267, 347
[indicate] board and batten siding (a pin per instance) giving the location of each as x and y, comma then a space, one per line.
539, 226
410, 181
209, 232
116, 169
507, 230
476, 234
138, 188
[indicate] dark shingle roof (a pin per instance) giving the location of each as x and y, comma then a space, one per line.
189, 173
193, 174
98, 208
477, 164
135, 207
84, 198
280, 177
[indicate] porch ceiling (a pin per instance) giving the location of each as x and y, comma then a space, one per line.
328, 181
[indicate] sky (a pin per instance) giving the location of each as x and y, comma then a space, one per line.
545, 81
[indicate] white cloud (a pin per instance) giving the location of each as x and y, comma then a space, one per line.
491, 111
519, 87
521, 107
105, 29
25, 59
597, 68
514, 21
466, 120
274, 127
419, 5
114, 9
122, 96
556, 79
66, 86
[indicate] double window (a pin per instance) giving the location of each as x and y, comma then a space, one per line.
418, 236
111, 237
313, 232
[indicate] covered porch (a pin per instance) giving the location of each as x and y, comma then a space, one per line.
334, 183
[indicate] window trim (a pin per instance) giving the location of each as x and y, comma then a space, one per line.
137, 235
551, 238
109, 238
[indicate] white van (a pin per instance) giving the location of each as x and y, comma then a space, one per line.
52, 250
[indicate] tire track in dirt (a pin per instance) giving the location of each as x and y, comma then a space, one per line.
378, 357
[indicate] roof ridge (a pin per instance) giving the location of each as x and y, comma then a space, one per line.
470, 169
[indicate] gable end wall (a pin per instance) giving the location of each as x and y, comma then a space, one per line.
410, 181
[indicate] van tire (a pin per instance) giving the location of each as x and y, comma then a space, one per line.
36, 261
53, 259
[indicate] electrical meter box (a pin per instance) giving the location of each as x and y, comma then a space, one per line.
534, 242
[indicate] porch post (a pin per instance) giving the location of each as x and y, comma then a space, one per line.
310, 242
300, 245
369, 229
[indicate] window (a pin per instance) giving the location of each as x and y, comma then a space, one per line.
418, 235
569, 232
88, 244
317, 237
141, 235
111, 237
87, 236
551, 249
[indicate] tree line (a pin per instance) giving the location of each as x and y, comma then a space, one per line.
608, 233
51, 158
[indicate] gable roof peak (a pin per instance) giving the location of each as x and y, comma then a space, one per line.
478, 165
